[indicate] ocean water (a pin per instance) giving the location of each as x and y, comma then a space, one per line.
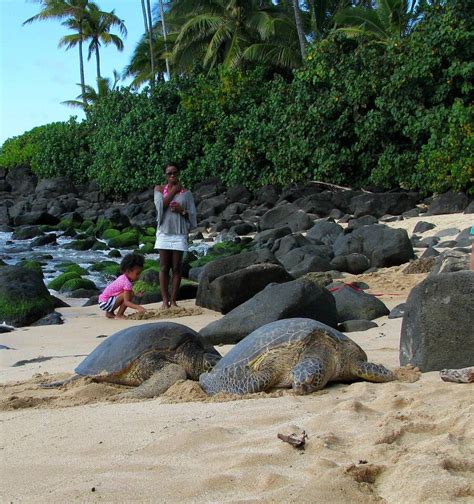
13, 251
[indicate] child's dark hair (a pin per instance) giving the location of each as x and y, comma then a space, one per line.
130, 261
171, 163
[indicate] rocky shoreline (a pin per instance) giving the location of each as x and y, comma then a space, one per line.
316, 232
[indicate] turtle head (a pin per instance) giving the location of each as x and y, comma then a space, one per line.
209, 360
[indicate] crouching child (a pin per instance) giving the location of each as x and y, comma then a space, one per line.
118, 294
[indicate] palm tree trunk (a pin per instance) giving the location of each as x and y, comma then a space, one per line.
162, 15
299, 28
145, 19
97, 58
81, 66
150, 42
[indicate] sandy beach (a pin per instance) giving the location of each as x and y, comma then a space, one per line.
408, 441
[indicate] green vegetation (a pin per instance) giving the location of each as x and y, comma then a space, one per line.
60, 280
124, 240
32, 265
77, 283
223, 249
383, 96
68, 267
107, 268
24, 311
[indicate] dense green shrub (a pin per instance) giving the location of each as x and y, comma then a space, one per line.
356, 113
63, 149
19, 150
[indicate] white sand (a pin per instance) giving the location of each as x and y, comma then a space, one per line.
397, 442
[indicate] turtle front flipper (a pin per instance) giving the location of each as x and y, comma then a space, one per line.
372, 372
309, 375
159, 382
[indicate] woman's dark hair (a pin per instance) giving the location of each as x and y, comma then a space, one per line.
130, 261
167, 165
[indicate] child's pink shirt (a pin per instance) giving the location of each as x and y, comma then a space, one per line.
119, 285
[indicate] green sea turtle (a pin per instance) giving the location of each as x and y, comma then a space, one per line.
150, 357
298, 352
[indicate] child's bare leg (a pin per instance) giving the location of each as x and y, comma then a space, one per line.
165, 264
119, 303
110, 314
177, 259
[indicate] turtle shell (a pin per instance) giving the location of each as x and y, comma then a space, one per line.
272, 335
117, 352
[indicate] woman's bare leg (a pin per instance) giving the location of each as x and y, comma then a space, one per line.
165, 265
176, 263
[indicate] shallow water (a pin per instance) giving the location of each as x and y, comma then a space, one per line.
13, 251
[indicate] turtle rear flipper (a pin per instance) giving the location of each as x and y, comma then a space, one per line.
372, 372
60, 383
159, 382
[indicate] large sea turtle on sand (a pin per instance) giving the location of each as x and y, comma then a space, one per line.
150, 357
298, 352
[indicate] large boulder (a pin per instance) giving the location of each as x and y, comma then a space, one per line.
22, 180
299, 298
437, 324
320, 203
219, 280
286, 214
379, 204
33, 218
382, 245
325, 232
211, 206
354, 304
447, 203
23, 296
55, 186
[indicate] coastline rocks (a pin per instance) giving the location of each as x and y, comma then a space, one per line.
451, 261
382, 245
23, 296
325, 232
449, 202
21, 180
351, 263
298, 298
230, 290
32, 218
286, 214
437, 324
354, 304
356, 325
379, 204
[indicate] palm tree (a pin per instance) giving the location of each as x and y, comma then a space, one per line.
73, 11
223, 31
91, 96
299, 27
148, 21
97, 30
389, 20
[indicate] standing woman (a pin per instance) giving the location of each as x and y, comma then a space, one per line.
176, 216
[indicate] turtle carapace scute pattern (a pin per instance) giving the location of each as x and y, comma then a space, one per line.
300, 353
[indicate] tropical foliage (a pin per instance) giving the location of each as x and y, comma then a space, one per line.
392, 110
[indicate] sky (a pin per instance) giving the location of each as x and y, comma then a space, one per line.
36, 75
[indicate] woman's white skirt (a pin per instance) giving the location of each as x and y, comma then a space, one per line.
166, 241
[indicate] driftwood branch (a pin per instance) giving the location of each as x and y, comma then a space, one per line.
465, 375
295, 439
335, 186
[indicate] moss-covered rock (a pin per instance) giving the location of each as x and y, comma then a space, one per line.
78, 283
110, 233
223, 249
106, 268
60, 280
101, 225
26, 232
114, 253
124, 240
65, 224
23, 296
147, 239
100, 246
32, 265
151, 264
85, 244
148, 248
87, 224
150, 231
70, 266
